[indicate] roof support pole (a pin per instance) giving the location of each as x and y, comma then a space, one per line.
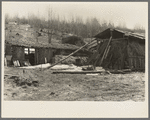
105, 50
70, 54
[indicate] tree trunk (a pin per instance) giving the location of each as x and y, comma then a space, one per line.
49, 37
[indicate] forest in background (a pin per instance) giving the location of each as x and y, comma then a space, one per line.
75, 25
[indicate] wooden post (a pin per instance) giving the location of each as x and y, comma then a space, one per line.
107, 52
5, 61
135, 62
111, 35
45, 60
104, 52
128, 57
37, 55
140, 62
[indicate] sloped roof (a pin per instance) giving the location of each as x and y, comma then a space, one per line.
31, 42
107, 33
136, 35
19, 36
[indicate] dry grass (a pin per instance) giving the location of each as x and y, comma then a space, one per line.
66, 87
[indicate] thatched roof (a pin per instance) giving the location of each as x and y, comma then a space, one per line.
118, 34
17, 35
20, 40
27, 42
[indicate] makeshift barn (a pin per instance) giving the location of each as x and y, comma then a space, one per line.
23, 45
23, 49
117, 49
61, 50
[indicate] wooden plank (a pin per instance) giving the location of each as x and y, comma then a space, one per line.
5, 61
122, 61
37, 56
123, 71
104, 53
119, 39
107, 52
136, 56
130, 59
139, 63
77, 72
10, 75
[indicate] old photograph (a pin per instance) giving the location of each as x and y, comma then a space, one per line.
61, 54
74, 51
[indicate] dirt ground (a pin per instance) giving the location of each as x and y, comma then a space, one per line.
45, 86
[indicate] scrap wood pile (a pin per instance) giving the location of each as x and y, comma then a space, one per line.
88, 70
71, 60
72, 69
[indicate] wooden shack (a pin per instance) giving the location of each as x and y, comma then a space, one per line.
15, 47
118, 49
19, 48
27, 45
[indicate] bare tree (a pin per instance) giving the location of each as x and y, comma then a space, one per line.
50, 24
139, 28
7, 18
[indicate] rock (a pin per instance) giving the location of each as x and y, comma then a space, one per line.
14, 94
24, 86
52, 93
35, 83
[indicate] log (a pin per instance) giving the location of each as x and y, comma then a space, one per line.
104, 52
10, 75
107, 52
77, 72
123, 71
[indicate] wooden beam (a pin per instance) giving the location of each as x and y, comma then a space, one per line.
5, 61
107, 52
78, 72
70, 54
104, 52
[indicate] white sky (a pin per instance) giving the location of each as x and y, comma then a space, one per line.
131, 13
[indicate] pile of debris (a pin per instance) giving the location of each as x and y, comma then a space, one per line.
72, 69
71, 60
88, 70
26, 78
